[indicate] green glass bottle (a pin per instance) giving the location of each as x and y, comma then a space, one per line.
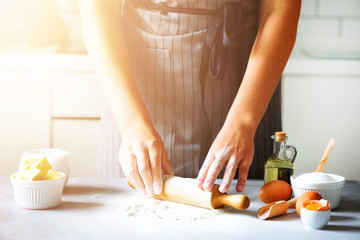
279, 166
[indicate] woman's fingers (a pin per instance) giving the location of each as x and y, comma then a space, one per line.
214, 163
144, 163
129, 164
204, 170
214, 170
231, 148
144, 170
165, 164
155, 167
243, 173
230, 171
145, 166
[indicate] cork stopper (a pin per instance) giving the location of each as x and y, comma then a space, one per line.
280, 136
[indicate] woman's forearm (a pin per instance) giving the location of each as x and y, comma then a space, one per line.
274, 42
107, 48
233, 147
142, 154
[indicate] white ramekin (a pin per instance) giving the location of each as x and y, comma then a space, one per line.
315, 219
40, 194
328, 191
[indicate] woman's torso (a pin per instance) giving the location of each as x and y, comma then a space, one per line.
165, 51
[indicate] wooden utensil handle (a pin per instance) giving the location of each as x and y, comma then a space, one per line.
238, 201
130, 184
292, 203
325, 155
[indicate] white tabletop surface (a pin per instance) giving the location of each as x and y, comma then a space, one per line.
93, 209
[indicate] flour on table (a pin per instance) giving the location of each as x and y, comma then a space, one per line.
142, 207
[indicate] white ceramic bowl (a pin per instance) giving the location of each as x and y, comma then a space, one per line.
40, 194
328, 191
315, 219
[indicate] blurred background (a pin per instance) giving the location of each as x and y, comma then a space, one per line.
49, 95
49, 26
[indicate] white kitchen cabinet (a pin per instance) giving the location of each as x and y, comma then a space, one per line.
316, 108
76, 95
77, 103
80, 139
24, 115
49, 101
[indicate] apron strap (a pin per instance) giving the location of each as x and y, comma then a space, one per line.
166, 9
223, 36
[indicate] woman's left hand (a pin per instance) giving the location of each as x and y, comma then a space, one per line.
231, 149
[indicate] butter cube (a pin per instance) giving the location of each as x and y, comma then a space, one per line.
28, 163
44, 166
37, 169
29, 174
52, 175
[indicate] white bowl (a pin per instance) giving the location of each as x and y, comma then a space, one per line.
315, 219
40, 194
328, 191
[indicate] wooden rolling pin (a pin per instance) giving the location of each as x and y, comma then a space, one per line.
185, 190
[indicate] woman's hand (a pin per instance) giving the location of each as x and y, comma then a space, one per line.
143, 159
230, 150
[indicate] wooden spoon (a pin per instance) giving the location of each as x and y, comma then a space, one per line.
276, 209
325, 155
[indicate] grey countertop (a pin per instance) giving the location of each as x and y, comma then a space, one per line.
93, 209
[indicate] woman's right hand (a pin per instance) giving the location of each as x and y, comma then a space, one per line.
143, 159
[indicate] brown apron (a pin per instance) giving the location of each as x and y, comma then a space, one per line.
166, 51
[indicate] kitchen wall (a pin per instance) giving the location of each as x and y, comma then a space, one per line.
70, 14
321, 87
339, 19
38, 24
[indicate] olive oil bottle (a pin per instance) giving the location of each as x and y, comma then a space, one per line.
279, 166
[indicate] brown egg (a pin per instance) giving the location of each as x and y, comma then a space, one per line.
275, 191
307, 195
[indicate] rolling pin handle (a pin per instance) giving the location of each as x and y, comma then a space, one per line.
238, 201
